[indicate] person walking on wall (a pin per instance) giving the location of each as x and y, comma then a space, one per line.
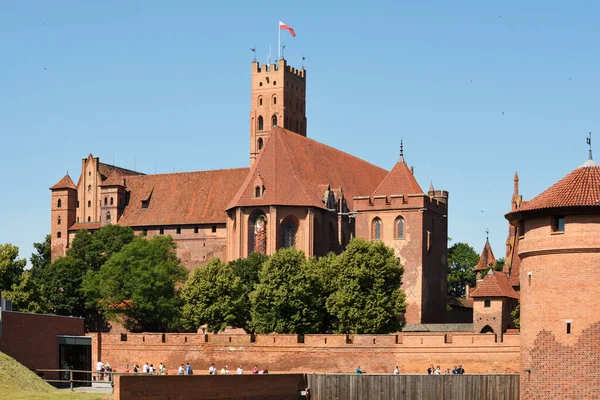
212, 370
240, 371
180, 371
188, 369
396, 371
358, 370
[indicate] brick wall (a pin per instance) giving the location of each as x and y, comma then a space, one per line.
412, 352
32, 339
220, 387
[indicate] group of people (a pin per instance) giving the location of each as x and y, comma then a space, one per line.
147, 369
212, 370
457, 370
103, 371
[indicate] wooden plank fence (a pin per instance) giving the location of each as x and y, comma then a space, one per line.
413, 387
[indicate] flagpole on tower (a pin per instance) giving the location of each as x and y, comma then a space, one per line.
278, 40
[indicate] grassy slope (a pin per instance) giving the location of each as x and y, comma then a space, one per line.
18, 382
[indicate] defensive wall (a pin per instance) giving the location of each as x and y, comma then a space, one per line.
327, 353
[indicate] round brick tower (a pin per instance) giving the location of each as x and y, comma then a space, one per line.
559, 248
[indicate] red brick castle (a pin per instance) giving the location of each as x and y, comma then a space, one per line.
297, 193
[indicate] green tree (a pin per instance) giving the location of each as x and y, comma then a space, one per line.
516, 314
325, 269
248, 269
213, 295
11, 267
41, 258
94, 249
462, 260
27, 296
367, 297
287, 298
61, 286
139, 284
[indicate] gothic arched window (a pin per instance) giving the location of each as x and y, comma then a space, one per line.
260, 100
89, 203
376, 229
111, 201
399, 228
274, 120
105, 200
274, 100
260, 123
257, 191
58, 220
89, 219
108, 216
59, 203
257, 233
288, 234
260, 143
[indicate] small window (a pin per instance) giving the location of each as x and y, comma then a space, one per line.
145, 204
487, 303
558, 224
111, 201
399, 227
123, 337
568, 326
260, 101
162, 231
274, 83
259, 83
260, 143
59, 203
260, 123
214, 229
178, 230
376, 229
195, 229
90, 173
77, 219
274, 100
89, 188
108, 215
257, 191
89, 219
105, 200
58, 235
89, 203
58, 220
274, 120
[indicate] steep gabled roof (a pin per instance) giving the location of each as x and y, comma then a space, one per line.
115, 179
487, 259
495, 284
400, 180
295, 170
65, 183
181, 198
580, 188
106, 170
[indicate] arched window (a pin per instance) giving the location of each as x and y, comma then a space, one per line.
58, 235
257, 191
399, 228
260, 100
108, 216
58, 220
89, 188
274, 100
89, 219
260, 143
260, 123
105, 200
376, 229
59, 203
257, 233
89, 203
288, 234
111, 201
487, 329
274, 120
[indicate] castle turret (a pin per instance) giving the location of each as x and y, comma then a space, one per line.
278, 99
63, 210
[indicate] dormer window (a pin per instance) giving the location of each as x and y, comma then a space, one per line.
257, 191
145, 204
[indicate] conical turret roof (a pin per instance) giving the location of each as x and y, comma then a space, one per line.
65, 183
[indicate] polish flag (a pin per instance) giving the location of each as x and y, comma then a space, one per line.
283, 26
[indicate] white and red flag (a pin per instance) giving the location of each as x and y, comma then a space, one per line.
285, 27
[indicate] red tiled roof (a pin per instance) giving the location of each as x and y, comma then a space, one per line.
495, 284
181, 198
579, 188
487, 258
115, 179
399, 180
295, 169
85, 225
459, 302
65, 183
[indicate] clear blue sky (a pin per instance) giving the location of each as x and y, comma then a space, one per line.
477, 90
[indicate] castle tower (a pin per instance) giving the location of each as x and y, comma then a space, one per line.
278, 98
112, 198
63, 209
559, 252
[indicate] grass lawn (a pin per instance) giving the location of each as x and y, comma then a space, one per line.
19, 383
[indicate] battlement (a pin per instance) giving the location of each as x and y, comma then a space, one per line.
436, 200
280, 66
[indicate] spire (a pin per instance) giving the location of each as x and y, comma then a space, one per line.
487, 235
401, 151
516, 184
589, 142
